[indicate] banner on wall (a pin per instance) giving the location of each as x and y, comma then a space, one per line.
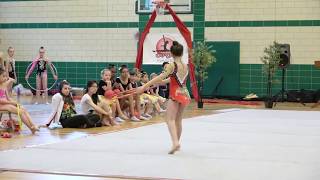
156, 48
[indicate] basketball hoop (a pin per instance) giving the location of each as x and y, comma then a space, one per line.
159, 6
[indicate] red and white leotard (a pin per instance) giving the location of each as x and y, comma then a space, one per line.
177, 87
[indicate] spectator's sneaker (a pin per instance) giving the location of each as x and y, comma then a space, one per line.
115, 123
144, 118
55, 126
133, 118
118, 119
123, 117
162, 110
147, 115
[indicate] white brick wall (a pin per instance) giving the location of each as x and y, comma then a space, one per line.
304, 41
169, 30
235, 10
119, 44
72, 44
68, 11
73, 11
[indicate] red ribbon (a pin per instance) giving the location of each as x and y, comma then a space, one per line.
186, 35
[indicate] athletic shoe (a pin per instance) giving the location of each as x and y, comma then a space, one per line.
250, 96
144, 118
118, 119
55, 126
147, 115
135, 119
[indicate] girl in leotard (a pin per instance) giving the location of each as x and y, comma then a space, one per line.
7, 104
41, 62
11, 68
178, 96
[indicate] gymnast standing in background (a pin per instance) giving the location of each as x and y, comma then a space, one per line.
41, 62
11, 69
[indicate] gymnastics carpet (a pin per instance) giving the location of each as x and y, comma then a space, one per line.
234, 144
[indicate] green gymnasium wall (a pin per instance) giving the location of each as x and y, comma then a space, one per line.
248, 78
77, 73
224, 75
297, 76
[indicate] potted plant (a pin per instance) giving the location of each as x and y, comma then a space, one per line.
270, 60
203, 58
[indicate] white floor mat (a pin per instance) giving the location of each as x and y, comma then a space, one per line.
235, 145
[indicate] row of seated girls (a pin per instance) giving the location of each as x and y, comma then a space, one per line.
107, 100
100, 98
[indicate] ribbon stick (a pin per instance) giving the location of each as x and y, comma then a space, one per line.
126, 93
130, 91
19, 116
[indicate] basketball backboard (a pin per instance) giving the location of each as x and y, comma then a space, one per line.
179, 6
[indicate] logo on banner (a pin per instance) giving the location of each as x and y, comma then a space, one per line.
163, 47
156, 48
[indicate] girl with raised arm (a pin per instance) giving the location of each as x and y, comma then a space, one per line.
178, 95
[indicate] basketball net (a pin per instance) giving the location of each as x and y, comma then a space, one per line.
159, 6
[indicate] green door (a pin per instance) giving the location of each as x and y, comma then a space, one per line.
224, 75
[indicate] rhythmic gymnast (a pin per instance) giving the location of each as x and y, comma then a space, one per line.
11, 68
41, 62
7, 104
178, 94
